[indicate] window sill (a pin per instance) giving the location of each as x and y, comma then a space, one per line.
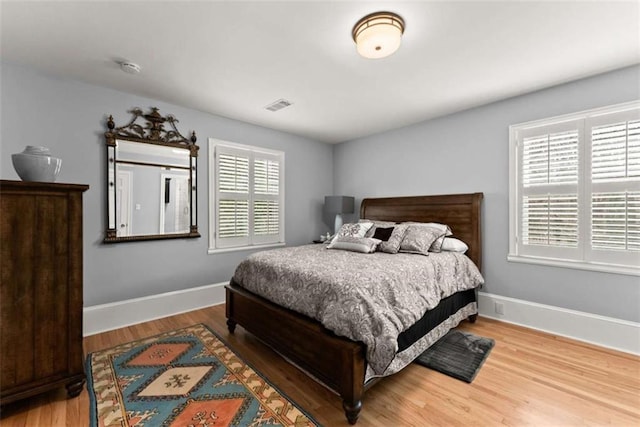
212, 251
578, 265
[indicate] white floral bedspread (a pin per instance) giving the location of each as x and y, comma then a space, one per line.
370, 298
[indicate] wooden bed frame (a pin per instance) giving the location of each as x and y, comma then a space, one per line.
336, 361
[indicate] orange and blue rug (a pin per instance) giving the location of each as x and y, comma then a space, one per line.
186, 377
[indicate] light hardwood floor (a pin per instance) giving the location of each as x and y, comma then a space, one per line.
530, 378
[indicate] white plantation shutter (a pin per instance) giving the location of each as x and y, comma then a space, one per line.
249, 196
233, 172
535, 220
266, 197
232, 196
614, 187
266, 217
267, 176
615, 151
575, 193
233, 219
633, 221
615, 221
549, 190
550, 220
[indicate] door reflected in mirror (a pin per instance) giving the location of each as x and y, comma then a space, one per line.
151, 182
152, 193
174, 214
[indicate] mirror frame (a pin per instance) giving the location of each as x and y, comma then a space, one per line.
152, 133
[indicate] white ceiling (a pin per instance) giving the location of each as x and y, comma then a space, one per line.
232, 58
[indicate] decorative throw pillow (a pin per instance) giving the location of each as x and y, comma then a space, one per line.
355, 244
392, 246
418, 240
382, 234
444, 230
451, 244
351, 229
376, 224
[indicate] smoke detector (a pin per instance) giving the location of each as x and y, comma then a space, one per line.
130, 67
278, 105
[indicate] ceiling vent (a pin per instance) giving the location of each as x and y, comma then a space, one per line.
278, 105
130, 67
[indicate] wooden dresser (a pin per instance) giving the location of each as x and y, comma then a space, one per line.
40, 288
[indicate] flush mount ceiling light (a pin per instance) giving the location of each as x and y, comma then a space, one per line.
378, 35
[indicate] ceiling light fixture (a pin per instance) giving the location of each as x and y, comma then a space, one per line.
378, 35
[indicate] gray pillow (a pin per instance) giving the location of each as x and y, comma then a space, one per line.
443, 229
355, 244
418, 240
392, 246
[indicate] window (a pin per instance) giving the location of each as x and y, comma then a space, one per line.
246, 200
574, 196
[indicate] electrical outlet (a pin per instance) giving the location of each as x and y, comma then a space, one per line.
499, 307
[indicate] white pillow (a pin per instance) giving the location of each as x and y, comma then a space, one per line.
365, 245
353, 229
451, 244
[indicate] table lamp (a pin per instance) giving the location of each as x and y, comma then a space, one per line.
338, 205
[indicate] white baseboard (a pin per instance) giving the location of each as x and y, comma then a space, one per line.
604, 331
106, 317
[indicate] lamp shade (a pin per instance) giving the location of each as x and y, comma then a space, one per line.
378, 35
338, 204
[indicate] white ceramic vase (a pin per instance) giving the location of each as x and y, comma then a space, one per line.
36, 164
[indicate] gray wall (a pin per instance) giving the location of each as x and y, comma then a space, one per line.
69, 117
464, 152
468, 152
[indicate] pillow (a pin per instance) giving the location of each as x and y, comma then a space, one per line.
376, 224
437, 245
392, 246
364, 245
418, 239
352, 229
444, 230
382, 234
451, 244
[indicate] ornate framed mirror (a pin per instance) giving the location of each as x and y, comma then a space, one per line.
151, 180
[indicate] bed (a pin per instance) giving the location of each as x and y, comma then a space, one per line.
341, 363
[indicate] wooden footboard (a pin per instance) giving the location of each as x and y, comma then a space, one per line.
337, 362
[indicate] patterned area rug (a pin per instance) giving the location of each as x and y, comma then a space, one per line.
187, 377
458, 354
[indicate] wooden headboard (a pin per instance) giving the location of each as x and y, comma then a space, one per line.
461, 212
